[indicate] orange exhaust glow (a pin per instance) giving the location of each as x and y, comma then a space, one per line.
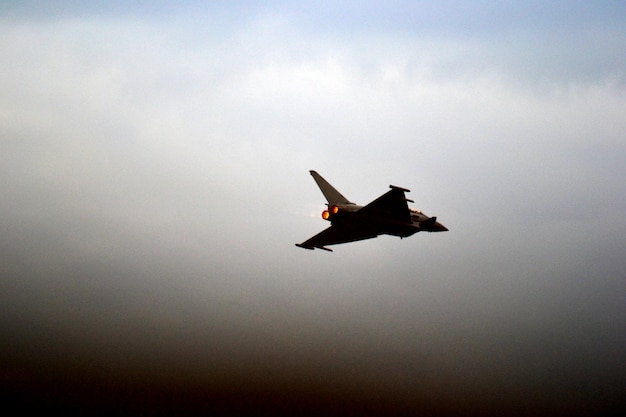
325, 215
334, 209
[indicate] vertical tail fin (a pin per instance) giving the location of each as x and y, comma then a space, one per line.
332, 195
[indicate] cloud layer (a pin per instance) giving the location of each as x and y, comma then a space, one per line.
155, 179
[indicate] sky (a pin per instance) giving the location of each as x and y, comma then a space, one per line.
154, 162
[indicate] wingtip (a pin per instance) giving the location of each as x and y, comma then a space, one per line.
303, 247
300, 245
395, 187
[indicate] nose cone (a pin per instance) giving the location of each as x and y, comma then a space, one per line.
438, 227
432, 225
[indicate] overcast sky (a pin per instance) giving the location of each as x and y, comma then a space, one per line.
154, 164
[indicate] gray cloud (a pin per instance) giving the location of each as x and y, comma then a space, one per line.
155, 180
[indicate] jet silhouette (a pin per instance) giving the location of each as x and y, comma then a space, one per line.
389, 214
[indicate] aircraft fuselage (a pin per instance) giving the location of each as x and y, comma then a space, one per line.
342, 215
389, 214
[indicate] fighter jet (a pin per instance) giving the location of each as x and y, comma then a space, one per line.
389, 214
